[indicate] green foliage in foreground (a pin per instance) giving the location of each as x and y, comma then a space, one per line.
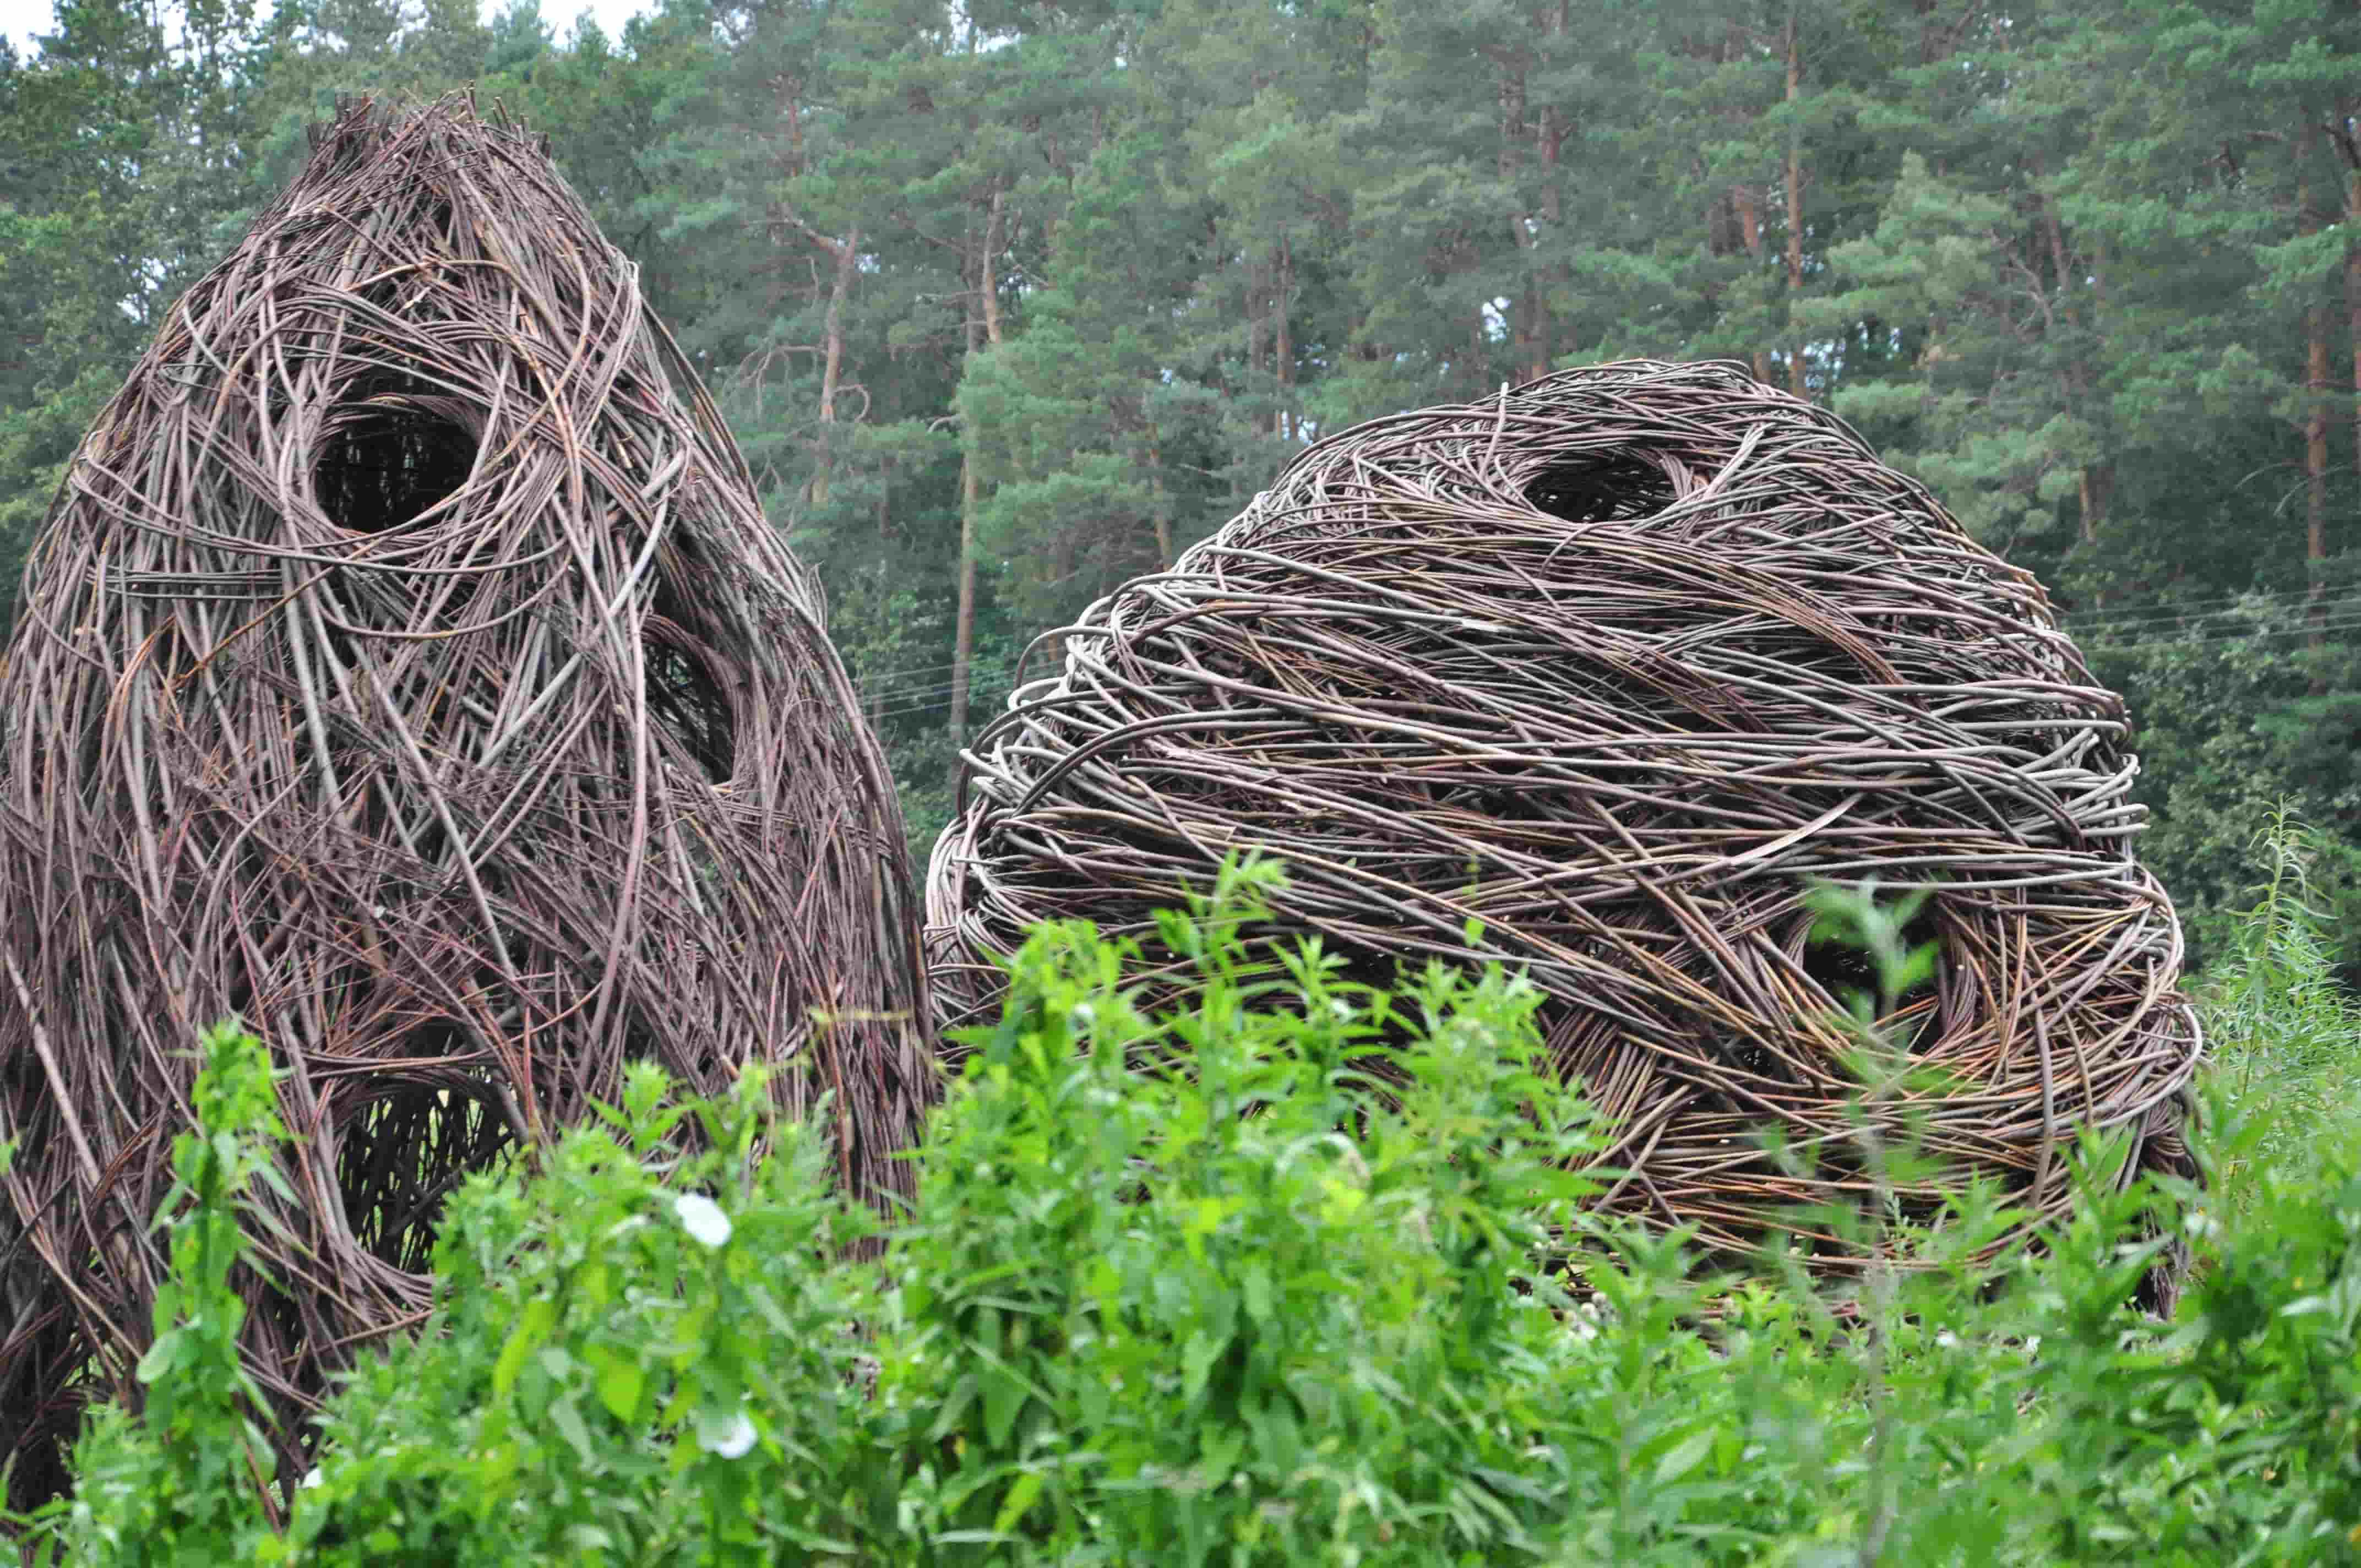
1127, 1324
2284, 1036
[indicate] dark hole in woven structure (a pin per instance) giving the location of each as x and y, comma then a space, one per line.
1596, 491
44, 1472
688, 704
389, 460
1844, 971
400, 1155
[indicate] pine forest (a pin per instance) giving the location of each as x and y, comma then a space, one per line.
1008, 303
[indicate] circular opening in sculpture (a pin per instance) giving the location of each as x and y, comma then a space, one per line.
1601, 488
1845, 971
688, 704
399, 1156
386, 460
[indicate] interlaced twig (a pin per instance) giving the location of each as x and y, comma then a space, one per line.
407, 667
1596, 678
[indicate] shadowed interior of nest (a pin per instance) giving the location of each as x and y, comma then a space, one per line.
407, 667
1618, 667
1595, 490
387, 459
402, 1148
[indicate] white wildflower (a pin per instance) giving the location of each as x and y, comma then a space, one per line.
311, 1477
701, 1217
1948, 1340
730, 1437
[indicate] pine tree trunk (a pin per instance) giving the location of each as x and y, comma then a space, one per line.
983, 327
1524, 310
1747, 203
2104, 477
2353, 286
847, 256
1157, 499
987, 272
2315, 426
2315, 472
1258, 324
2076, 376
1553, 134
964, 643
1795, 206
1284, 422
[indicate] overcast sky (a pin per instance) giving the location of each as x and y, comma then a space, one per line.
21, 19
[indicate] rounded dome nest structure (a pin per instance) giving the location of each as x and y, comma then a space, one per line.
407, 668
1621, 664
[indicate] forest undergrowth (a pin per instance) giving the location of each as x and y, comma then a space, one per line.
1125, 1322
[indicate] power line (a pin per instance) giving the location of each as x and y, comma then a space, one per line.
2228, 604
917, 689
2348, 620
911, 678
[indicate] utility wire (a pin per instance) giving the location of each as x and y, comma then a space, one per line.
915, 688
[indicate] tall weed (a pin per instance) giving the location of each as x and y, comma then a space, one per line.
187, 1483
2284, 1036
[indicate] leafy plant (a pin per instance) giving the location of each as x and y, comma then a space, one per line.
638, 1355
1294, 1274
187, 1481
2285, 1036
1253, 1281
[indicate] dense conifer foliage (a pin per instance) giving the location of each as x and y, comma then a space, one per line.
1010, 301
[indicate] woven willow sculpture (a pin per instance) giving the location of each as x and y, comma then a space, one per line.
1620, 664
408, 668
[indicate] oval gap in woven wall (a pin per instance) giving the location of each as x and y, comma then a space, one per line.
402, 1148
387, 456
1617, 667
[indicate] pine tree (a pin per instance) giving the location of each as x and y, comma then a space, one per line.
123, 157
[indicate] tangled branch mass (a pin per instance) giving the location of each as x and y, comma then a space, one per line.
407, 667
1617, 667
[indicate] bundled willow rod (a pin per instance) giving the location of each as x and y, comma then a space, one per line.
1620, 664
407, 668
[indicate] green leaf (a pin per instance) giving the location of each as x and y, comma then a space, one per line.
1254, 1285
1197, 1358
533, 1326
566, 1417
1003, 1396
618, 1379
163, 1356
1020, 1497
1685, 1455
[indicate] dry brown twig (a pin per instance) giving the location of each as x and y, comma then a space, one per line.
1618, 665
407, 667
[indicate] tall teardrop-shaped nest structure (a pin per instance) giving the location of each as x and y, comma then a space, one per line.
407, 668
1619, 666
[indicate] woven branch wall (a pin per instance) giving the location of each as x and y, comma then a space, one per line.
1618, 665
408, 667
